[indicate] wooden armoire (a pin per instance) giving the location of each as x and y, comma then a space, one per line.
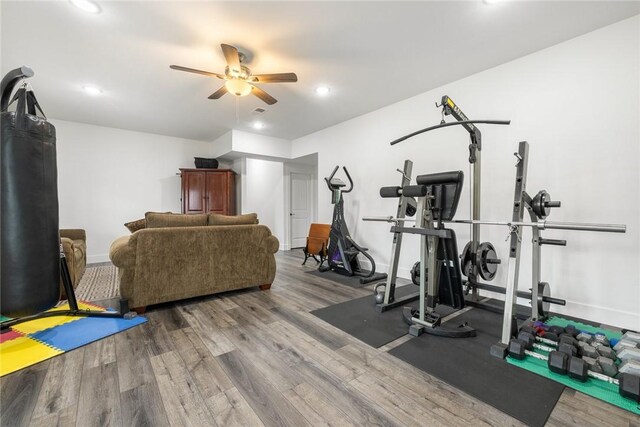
208, 190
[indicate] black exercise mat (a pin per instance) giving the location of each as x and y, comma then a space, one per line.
466, 364
359, 318
351, 281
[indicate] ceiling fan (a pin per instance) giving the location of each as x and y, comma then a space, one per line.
239, 80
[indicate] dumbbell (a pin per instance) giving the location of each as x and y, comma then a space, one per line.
631, 367
597, 362
574, 367
566, 344
601, 365
592, 339
551, 331
541, 334
598, 344
628, 384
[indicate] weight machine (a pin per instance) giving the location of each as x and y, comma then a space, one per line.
478, 260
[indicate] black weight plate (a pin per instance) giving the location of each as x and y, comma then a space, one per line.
543, 291
465, 260
486, 251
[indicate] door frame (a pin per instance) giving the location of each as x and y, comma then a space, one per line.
311, 172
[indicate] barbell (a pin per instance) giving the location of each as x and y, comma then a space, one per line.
541, 225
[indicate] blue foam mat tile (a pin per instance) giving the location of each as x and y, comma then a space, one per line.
84, 331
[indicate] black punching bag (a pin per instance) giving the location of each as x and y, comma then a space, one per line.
29, 196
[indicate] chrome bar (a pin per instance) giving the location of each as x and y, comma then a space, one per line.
544, 225
541, 225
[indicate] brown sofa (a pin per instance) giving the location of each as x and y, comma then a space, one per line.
74, 246
168, 261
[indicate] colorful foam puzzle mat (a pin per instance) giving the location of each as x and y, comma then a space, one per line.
32, 342
599, 389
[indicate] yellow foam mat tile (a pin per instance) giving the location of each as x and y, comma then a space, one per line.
21, 352
37, 325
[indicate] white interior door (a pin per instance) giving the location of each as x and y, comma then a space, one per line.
300, 214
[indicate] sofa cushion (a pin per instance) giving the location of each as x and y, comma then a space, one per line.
136, 225
158, 220
246, 219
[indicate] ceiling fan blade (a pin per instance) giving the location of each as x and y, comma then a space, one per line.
217, 94
231, 56
192, 70
276, 78
263, 95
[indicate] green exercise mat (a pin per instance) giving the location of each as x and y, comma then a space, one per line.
599, 389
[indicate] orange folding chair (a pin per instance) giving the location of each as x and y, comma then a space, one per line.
317, 242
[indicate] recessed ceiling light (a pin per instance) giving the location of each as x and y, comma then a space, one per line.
86, 5
258, 125
92, 90
490, 1
322, 90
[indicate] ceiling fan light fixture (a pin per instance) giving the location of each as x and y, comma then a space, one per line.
238, 87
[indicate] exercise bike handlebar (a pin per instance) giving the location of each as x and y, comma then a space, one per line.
350, 180
330, 177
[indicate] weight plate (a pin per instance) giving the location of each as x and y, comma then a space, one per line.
544, 290
465, 260
538, 204
412, 207
486, 251
415, 273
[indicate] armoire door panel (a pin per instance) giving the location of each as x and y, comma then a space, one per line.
193, 196
217, 193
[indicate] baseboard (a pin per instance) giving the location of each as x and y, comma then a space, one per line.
285, 247
94, 259
599, 314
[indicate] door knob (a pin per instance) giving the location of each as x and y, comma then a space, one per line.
290, 214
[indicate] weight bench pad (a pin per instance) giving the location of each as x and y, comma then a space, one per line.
447, 186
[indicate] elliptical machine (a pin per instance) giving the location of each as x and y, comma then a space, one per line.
342, 254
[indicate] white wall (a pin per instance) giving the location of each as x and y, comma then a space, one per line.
262, 145
107, 177
263, 193
222, 145
578, 105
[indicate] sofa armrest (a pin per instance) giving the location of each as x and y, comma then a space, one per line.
74, 234
122, 253
273, 244
67, 248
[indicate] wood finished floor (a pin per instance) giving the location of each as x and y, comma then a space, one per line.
253, 358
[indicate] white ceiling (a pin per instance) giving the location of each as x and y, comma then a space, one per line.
371, 54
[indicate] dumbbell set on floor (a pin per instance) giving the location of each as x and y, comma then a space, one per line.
597, 350
581, 355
